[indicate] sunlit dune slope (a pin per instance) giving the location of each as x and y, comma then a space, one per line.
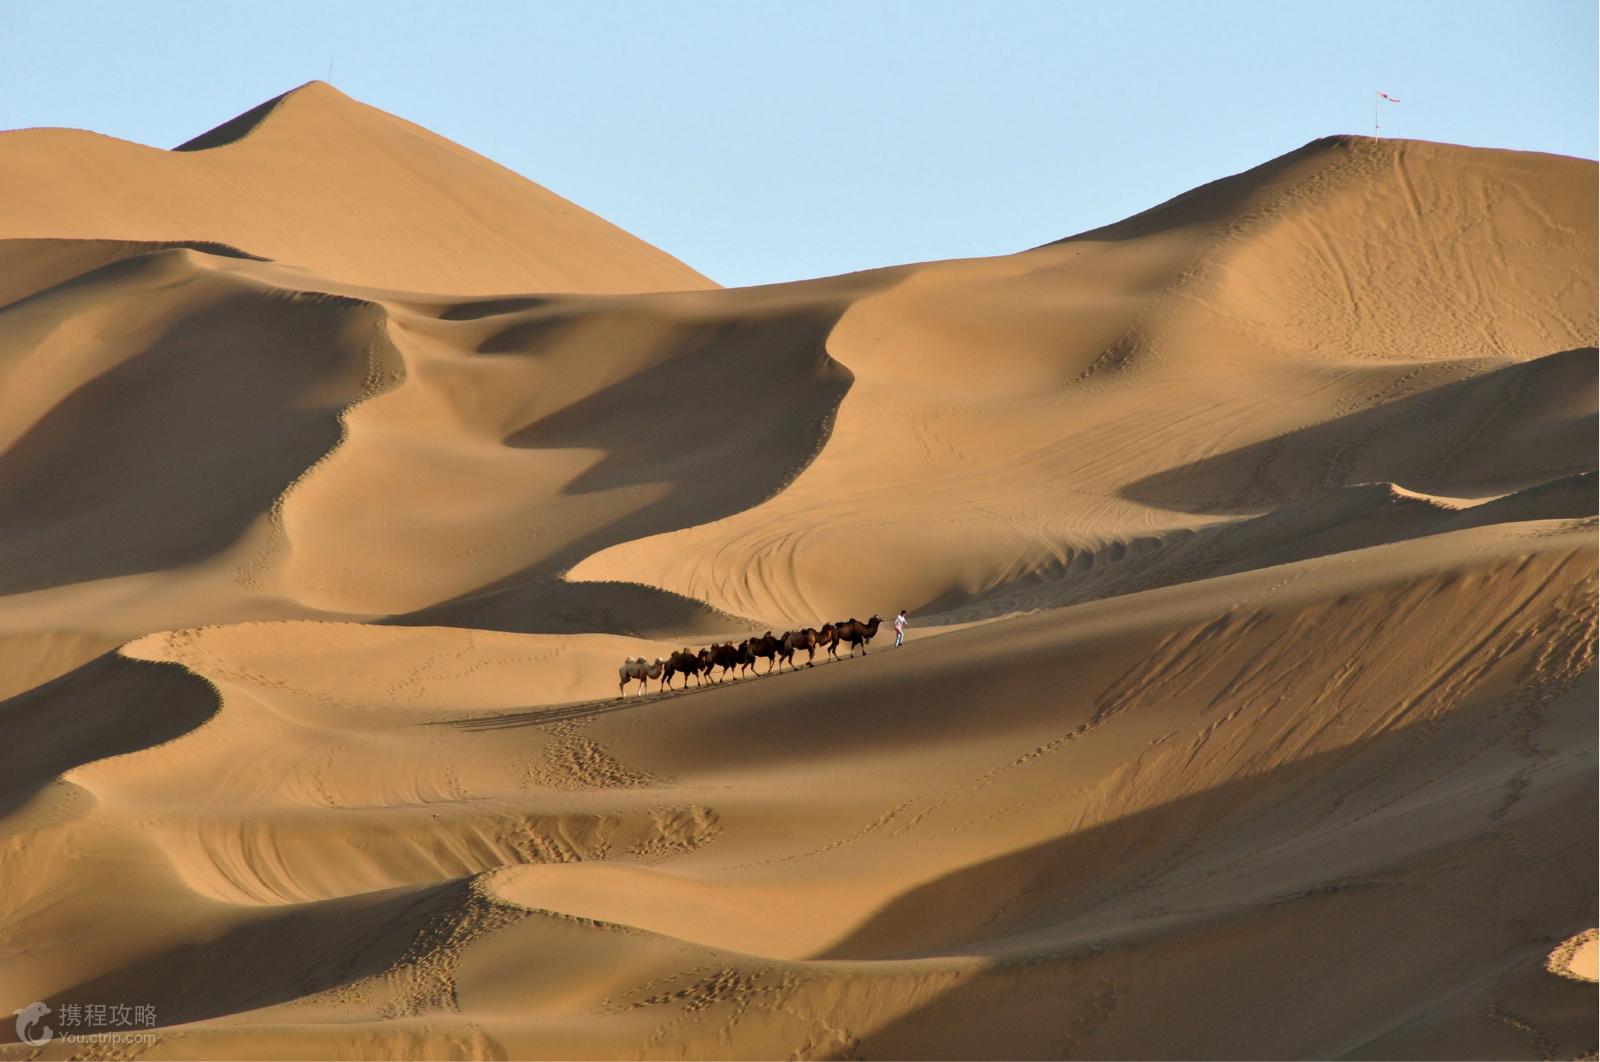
1356, 311
322, 181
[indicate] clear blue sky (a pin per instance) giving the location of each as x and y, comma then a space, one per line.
761, 140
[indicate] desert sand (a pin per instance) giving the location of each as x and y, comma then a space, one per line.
1248, 708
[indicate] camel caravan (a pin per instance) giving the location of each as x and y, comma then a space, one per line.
741, 659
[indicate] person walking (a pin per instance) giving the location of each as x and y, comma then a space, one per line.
900, 622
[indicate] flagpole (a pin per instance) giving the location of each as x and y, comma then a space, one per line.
1376, 103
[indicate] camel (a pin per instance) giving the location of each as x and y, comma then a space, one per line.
683, 663
724, 656
807, 639
766, 646
853, 632
785, 648
636, 670
825, 636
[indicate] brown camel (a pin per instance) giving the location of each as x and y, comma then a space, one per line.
853, 632
725, 657
808, 640
746, 658
766, 646
683, 663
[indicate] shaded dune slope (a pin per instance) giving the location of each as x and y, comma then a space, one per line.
571, 427
107, 707
162, 360
1498, 432
567, 427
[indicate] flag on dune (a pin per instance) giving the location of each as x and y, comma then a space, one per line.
1376, 107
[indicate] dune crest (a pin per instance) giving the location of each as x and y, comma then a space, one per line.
318, 180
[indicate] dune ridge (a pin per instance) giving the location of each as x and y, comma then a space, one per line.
1249, 543
316, 178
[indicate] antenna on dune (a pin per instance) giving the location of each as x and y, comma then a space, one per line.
330, 69
1376, 105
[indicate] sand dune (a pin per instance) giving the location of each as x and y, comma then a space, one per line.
1249, 707
331, 185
